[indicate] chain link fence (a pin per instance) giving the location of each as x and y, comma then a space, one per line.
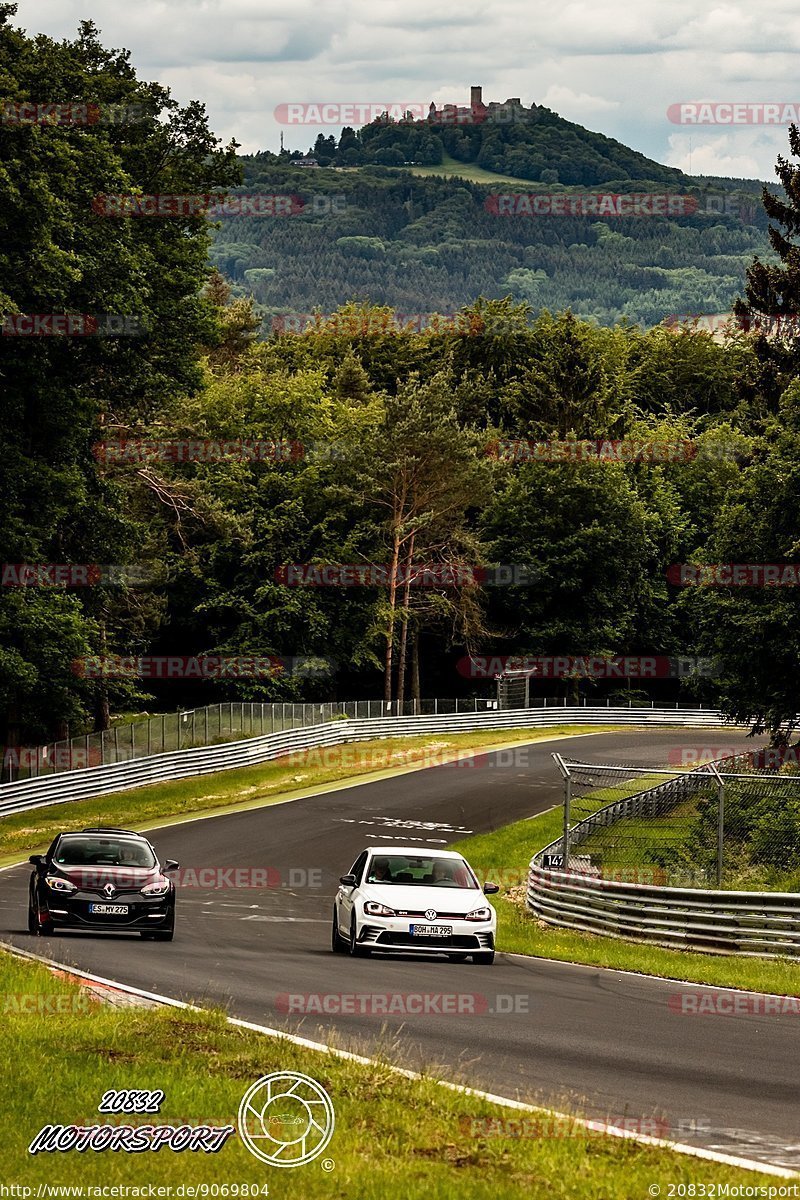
209, 726
733, 823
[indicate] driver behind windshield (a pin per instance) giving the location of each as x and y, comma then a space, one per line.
379, 871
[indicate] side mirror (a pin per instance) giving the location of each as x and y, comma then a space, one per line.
490, 889
347, 880
171, 865
37, 860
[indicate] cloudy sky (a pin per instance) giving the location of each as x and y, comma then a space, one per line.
616, 67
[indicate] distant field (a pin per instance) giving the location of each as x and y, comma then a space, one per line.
449, 168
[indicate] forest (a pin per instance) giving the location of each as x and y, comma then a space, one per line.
432, 244
168, 483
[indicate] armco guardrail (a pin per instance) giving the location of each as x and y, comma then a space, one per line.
180, 764
232, 721
760, 923
751, 923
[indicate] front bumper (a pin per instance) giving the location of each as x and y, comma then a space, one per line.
74, 912
393, 933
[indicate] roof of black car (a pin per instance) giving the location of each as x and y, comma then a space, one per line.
105, 829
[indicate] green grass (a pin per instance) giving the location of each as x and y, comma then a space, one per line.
394, 1137
506, 853
632, 843
450, 168
142, 808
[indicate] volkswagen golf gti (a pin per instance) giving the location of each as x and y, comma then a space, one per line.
397, 898
102, 879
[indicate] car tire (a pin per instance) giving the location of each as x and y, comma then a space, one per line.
163, 935
33, 920
356, 951
457, 957
486, 958
338, 943
43, 928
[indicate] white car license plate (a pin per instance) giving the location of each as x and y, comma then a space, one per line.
109, 910
423, 931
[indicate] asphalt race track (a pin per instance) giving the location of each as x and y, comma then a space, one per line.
599, 1042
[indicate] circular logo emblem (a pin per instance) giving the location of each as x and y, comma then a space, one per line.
430, 914
286, 1119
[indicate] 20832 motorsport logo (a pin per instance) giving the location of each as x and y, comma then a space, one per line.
286, 1119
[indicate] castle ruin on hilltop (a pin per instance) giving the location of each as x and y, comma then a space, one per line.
476, 112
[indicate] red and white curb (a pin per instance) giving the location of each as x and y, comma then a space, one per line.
154, 999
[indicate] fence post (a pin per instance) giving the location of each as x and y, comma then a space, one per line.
565, 775
206, 737
720, 829
116, 743
193, 712
133, 741
179, 728
712, 766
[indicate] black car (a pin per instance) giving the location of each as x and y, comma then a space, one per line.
106, 879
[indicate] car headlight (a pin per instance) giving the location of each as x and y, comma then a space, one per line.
59, 884
479, 914
159, 888
374, 909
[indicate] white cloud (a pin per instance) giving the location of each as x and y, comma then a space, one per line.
614, 67
575, 105
723, 154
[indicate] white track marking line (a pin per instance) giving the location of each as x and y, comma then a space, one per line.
729, 1160
340, 785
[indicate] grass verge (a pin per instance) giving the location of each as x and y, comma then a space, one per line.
393, 1136
305, 773
505, 855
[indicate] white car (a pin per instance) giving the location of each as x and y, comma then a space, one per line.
400, 898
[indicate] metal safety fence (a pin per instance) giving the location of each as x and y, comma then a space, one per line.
708, 858
229, 722
82, 783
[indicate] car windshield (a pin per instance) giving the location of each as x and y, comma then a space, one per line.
104, 852
424, 871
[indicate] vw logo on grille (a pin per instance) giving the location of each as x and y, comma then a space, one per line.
109, 890
430, 914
